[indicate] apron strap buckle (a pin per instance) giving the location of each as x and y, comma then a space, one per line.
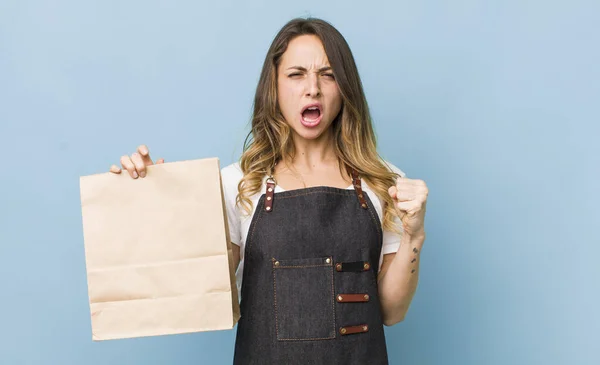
358, 188
269, 194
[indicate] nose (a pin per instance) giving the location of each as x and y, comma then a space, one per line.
313, 87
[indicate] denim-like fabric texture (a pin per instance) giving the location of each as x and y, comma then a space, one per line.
308, 314
289, 312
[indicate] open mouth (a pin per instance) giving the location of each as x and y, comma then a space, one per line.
311, 115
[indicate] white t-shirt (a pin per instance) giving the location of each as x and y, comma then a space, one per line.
239, 220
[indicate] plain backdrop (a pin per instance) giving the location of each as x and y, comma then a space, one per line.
494, 104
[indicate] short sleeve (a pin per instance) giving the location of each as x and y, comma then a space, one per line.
231, 176
391, 240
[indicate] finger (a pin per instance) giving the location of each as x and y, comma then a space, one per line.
115, 169
415, 190
410, 182
160, 160
128, 165
392, 191
139, 164
405, 195
145, 153
409, 207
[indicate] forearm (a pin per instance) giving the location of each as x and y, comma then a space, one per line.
398, 282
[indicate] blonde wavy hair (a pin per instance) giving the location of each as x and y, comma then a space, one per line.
270, 138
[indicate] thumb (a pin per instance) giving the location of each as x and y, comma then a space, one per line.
393, 191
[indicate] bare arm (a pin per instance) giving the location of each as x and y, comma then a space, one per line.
398, 279
399, 274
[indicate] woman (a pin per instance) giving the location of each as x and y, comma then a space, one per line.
327, 234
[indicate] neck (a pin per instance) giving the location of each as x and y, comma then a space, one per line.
313, 154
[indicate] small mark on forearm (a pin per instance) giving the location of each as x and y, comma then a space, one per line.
415, 250
413, 270
413, 260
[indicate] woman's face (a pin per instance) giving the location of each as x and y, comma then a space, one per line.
308, 96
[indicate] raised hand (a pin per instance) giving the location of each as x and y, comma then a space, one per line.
410, 197
136, 163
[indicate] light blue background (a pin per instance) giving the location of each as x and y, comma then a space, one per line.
495, 104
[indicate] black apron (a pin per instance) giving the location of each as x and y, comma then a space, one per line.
309, 289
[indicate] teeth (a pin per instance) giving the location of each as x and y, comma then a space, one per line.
313, 108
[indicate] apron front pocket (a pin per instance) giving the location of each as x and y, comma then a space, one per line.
303, 296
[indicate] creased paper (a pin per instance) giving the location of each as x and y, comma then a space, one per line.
157, 251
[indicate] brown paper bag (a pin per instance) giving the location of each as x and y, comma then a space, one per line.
157, 251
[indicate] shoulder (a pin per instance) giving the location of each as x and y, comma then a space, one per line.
395, 169
231, 175
379, 200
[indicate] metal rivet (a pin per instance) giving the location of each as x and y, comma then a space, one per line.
364, 205
360, 196
268, 198
328, 260
270, 190
340, 298
366, 296
268, 208
365, 328
366, 266
276, 263
338, 267
342, 330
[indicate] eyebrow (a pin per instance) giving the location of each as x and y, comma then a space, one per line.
300, 68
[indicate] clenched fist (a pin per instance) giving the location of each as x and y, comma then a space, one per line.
410, 198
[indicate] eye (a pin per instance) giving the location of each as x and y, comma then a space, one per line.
295, 74
329, 75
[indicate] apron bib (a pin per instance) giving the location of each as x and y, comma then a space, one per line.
309, 290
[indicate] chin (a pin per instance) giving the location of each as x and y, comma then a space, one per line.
309, 136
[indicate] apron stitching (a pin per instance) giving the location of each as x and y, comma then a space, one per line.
301, 266
275, 305
306, 339
275, 301
333, 302
311, 192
